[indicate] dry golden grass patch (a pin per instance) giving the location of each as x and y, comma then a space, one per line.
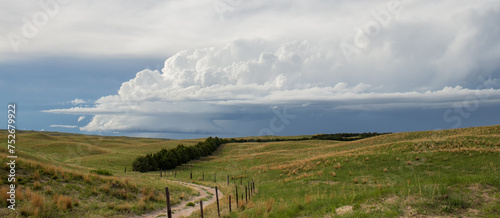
106, 188
37, 185
63, 202
305, 175
37, 175
3, 194
48, 189
307, 199
269, 204
148, 197
87, 177
19, 193
61, 171
124, 207
35, 199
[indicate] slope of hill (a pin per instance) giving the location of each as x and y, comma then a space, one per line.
60, 174
430, 173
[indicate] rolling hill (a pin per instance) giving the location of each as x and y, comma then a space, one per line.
430, 173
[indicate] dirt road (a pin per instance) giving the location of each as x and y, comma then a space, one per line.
180, 209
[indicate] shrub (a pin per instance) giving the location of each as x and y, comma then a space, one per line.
190, 204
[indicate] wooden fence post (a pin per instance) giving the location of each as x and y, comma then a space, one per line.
215, 178
217, 196
169, 210
236, 196
253, 186
229, 203
191, 175
201, 208
203, 176
227, 179
246, 195
249, 192
125, 169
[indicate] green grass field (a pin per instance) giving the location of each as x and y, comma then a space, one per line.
64, 165
431, 173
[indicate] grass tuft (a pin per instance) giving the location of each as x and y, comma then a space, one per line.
63, 202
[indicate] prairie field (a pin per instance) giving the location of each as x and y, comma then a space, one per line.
448, 173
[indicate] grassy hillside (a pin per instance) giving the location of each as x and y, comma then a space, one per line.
430, 173
56, 175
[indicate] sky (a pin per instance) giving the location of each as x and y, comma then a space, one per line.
229, 68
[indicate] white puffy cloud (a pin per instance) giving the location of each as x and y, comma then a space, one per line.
63, 126
419, 58
77, 101
81, 118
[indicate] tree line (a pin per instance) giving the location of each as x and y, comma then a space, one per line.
167, 159
346, 136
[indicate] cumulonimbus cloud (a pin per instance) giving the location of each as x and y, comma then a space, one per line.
404, 67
